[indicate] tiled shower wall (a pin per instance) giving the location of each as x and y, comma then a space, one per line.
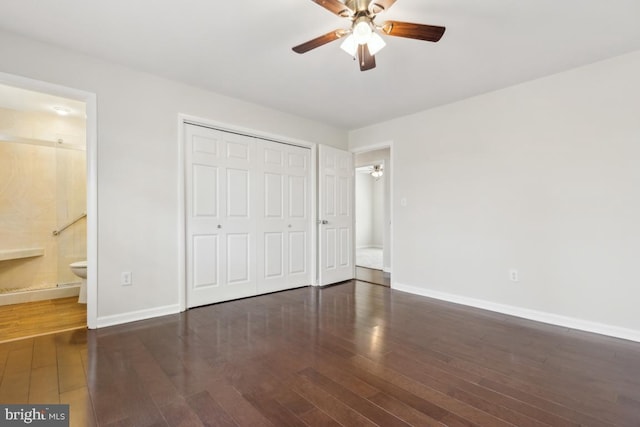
42, 186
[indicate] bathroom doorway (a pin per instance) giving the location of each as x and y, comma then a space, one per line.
43, 210
373, 216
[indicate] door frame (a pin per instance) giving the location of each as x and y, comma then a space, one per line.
182, 193
389, 174
89, 98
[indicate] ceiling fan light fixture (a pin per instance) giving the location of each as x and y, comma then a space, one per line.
362, 40
349, 45
362, 30
377, 172
376, 43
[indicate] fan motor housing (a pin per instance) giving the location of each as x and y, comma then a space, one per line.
358, 5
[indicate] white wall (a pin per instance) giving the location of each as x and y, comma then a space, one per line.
542, 177
370, 211
138, 150
378, 212
364, 214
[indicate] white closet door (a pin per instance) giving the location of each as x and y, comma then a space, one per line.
220, 183
336, 216
283, 249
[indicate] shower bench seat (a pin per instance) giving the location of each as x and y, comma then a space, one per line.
11, 254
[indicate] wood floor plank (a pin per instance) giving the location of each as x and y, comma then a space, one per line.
403, 411
243, 413
81, 412
209, 411
43, 385
14, 387
361, 405
271, 409
315, 417
44, 351
180, 414
330, 404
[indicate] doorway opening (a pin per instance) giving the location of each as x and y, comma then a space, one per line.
45, 235
373, 216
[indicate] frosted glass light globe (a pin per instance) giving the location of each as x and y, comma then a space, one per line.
362, 32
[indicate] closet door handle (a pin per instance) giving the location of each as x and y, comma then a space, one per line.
219, 226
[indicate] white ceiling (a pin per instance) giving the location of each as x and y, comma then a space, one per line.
243, 48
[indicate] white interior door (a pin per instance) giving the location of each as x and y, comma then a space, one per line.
335, 215
284, 207
220, 226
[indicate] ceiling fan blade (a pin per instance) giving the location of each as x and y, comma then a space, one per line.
366, 60
336, 7
379, 6
430, 33
319, 41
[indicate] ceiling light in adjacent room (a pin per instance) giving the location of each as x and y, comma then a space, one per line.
63, 111
377, 171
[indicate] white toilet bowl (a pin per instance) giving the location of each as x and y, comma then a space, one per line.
80, 269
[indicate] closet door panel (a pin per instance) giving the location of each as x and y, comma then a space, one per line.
285, 204
273, 259
205, 191
298, 197
205, 261
239, 226
273, 195
238, 193
248, 216
238, 258
220, 228
298, 253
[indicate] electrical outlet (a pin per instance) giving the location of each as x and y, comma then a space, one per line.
125, 278
513, 275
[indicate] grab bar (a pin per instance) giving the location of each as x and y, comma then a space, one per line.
61, 229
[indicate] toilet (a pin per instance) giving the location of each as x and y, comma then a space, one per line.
80, 269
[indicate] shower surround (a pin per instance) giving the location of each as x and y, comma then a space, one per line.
42, 189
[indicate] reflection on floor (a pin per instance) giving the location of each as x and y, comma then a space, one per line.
370, 275
41, 317
369, 258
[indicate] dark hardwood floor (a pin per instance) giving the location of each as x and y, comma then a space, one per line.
352, 354
377, 277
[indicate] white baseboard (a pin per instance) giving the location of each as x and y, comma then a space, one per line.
539, 316
134, 316
39, 295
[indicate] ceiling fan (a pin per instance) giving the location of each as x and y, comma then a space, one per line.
363, 38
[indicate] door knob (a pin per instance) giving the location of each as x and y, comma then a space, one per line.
219, 226
323, 222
